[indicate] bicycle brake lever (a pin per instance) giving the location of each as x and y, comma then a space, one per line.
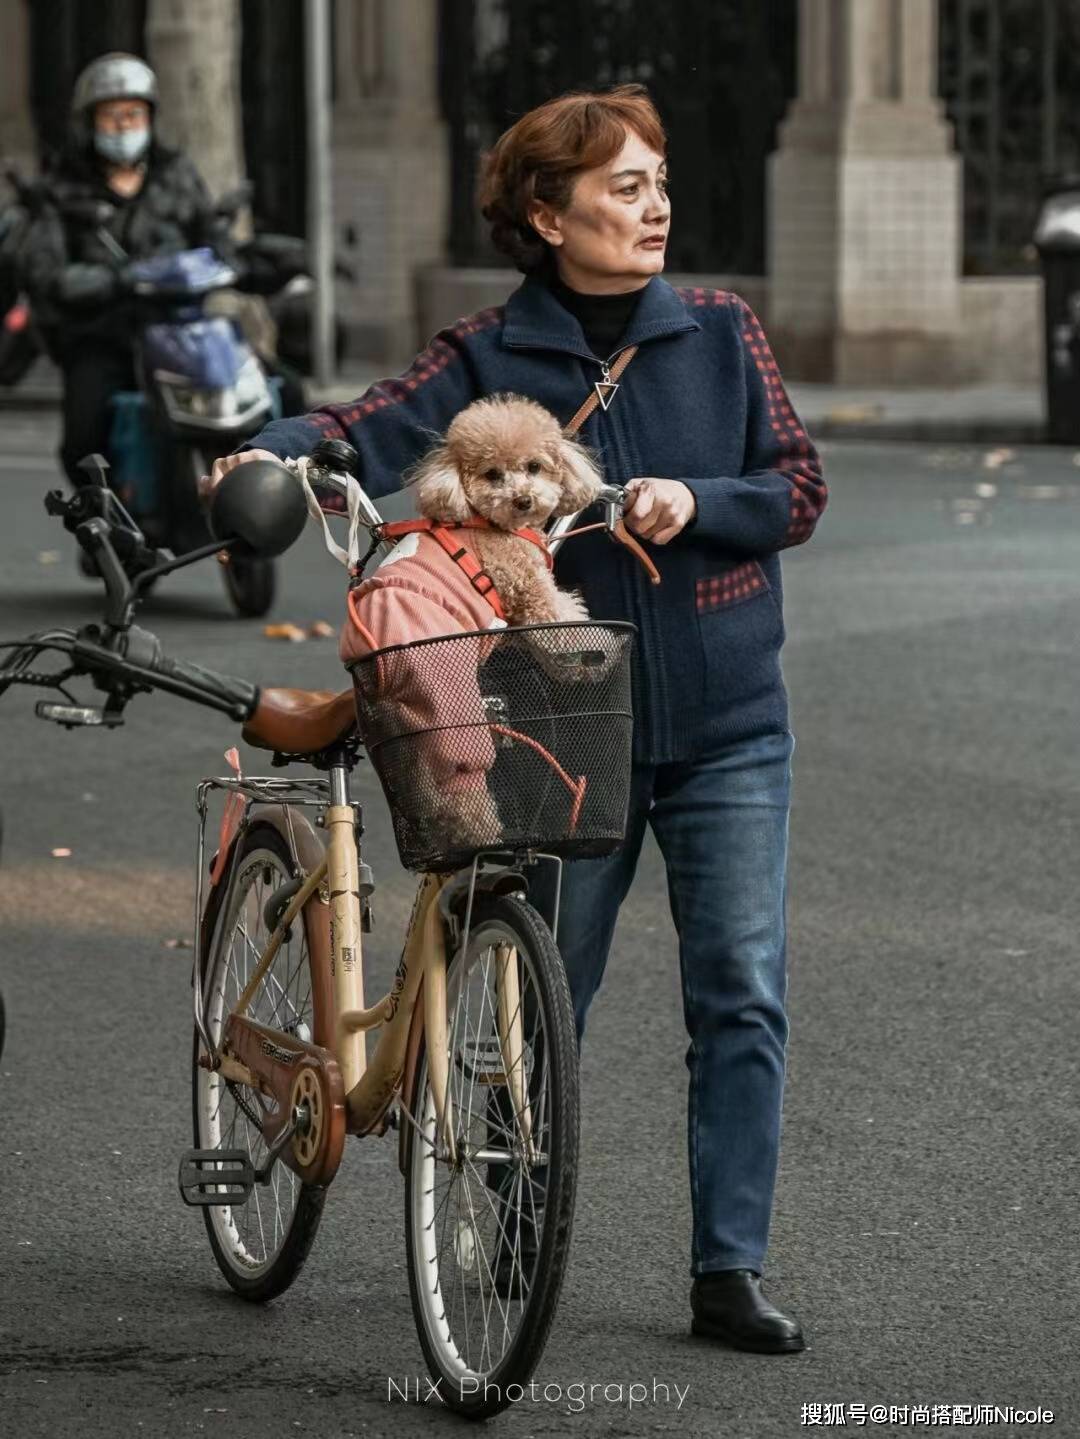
622, 536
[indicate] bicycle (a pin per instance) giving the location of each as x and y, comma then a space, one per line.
476, 1063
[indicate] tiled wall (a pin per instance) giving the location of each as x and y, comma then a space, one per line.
900, 244
375, 200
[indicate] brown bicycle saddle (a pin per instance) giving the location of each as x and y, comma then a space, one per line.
300, 721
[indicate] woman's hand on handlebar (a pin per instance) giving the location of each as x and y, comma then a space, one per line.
658, 510
209, 483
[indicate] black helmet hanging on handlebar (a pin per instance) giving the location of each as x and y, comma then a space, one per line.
115, 76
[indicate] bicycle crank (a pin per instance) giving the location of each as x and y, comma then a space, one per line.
304, 1081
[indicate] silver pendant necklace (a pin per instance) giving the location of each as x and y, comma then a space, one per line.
605, 388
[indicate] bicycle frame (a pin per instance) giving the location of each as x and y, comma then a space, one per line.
328, 901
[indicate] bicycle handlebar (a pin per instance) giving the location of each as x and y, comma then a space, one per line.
140, 663
233, 696
124, 664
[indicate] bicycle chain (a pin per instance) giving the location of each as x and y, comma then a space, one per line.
234, 1090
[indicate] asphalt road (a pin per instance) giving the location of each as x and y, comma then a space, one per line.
925, 1224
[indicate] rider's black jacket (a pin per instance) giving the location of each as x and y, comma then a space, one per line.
74, 277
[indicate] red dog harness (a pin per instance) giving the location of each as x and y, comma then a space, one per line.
478, 577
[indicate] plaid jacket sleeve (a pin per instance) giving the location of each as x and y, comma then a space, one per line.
395, 421
778, 498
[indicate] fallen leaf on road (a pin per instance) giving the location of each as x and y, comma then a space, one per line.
320, 630
61, 853
854, 414
994, 459
284, 632
177, 943
49, 557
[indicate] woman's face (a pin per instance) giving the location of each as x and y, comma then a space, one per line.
613, 234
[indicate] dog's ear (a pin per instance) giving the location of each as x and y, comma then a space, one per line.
440, 494
581, 478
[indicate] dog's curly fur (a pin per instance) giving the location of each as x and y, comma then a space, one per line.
505, 458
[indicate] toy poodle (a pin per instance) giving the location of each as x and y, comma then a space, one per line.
506, 460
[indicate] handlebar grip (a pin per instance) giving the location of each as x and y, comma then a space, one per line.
225, 689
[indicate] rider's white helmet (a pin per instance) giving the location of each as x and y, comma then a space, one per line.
116, 76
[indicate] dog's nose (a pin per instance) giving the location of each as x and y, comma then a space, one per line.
521, 503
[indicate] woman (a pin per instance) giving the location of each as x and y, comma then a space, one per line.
724, 477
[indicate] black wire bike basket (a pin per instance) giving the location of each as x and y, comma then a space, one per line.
515, 739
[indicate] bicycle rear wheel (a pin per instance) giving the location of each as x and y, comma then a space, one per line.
260, 1247
488, 1231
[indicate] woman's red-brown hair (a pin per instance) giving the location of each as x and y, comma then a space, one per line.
544, 152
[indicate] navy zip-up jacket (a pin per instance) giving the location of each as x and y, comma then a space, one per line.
702, 401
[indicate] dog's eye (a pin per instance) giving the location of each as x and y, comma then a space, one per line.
533, 467
494, 475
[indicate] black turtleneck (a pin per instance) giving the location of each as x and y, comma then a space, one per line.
603, 318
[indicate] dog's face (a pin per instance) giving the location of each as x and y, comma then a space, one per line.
505, 458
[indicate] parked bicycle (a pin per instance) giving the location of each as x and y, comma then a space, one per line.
475, 1067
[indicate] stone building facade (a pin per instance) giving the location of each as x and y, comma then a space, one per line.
863, 279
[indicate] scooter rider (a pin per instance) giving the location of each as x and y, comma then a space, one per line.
115, 194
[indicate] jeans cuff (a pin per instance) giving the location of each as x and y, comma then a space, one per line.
733, 1260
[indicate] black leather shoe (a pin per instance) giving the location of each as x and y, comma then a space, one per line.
730, 1306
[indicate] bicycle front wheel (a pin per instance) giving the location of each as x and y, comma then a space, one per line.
489, 1198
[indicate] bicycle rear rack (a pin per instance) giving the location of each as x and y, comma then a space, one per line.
290, 794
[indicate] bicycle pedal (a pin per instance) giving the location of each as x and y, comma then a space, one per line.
216, 1176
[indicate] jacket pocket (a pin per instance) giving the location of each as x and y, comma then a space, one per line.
730, 587
741, 631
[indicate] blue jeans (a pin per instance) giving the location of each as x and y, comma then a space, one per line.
721, 822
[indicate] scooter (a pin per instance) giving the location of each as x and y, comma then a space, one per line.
202, 388
202, 391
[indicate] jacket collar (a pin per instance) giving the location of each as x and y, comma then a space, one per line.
534, 319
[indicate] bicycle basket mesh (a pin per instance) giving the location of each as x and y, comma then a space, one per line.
516, 738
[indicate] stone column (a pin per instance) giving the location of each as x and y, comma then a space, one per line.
391, 169
16, 124
194, 46
865, 201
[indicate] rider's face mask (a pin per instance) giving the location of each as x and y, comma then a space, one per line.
122, 130
122, 147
